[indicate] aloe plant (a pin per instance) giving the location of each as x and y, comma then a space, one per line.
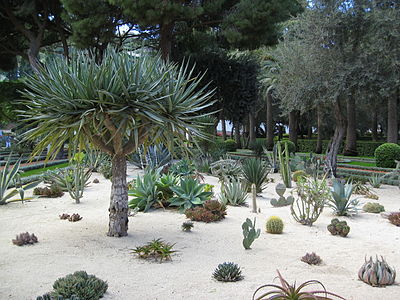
234, 193
164, 184
145, 192
255, 171
249, 233
8, 177
340, 201
77, 181
188, 194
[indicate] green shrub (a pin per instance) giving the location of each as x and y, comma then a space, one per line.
230, 145
291, 146
374, 208
386, 154
80, 284
258, 147
274, 225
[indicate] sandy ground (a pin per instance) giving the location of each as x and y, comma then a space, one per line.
65, 247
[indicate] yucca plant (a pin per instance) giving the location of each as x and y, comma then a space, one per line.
234, 193
188, 194
145, 193
117, 104
9, 176
287, 291
255, 171
340, 201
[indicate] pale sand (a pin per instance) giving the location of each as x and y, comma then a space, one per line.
65, 247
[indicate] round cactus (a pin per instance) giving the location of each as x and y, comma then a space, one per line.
298, 174
274, 225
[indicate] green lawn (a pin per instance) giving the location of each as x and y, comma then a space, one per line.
362, 163
41, 170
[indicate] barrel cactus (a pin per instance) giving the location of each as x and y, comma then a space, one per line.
377, 273
228, 272
339, 228
274, 225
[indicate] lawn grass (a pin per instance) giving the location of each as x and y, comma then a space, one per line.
42, 170
362, 163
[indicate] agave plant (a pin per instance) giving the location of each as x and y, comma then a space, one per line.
255, 171
164, 184
375, 181
8, 177
234, 193
377, 273
286, 291
340, 201
145, 193
188, 194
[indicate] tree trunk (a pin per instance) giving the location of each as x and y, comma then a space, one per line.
318, 148
237, 135
252, 128
336, 141
392, 126
375, 124
270, 121
351, 133
293, 127
33, 54
118, 211
309, 132
223, 128
166, 40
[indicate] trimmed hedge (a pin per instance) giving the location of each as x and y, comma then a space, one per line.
364, 148
386, 154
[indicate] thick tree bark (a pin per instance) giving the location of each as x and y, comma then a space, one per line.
318, 148
351, 133
252, 128
392, 125
293, 126
375, 124
336, 141
166, 40
223, 128
118, 211
237, 135
270, 121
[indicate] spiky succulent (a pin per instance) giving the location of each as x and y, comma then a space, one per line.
377, 273
374, 208
25, 239
187, 226
64, 216
311, 259
228, 272
338, 228
274, 225
49, 297
74, 218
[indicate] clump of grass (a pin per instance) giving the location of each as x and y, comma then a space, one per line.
157, 249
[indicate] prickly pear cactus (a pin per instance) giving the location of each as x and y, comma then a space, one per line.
282, 201
249, 233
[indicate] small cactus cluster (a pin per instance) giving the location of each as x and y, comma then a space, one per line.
71, 218
377, 273
374, 208
25, 239
311, 259
394, 218
228, 272
249, 233
274, 225
53, 191
282, 201
339, 228
187, 226
96, 180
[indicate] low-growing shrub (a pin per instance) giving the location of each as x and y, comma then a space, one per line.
211, 211
311, 259
53, 191
157, 249
386, 155
81, 285
230, 145
25, 239
228, 272
144, 192
374, 208
274, 225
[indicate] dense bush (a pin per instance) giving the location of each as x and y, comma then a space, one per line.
386, 154
291, 146
230, 145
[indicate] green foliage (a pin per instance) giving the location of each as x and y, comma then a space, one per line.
49, 297
297, 174
249, 233
9, 92
188, 194
291, 146
145, 191
377, 273
312, 196
157, 249
53, 191
338, 227
230, 145
228, 272
95, 160
76, 181
375, 181
282, 201
80, 284
164, 184
340, 201
234, 193
9, 176
287, 291
255, 171
311, 259
211, 211
283, 156
183, 168
374, 208
258, 147
226, 170
187, 226
274, 225
153, 156
386, 155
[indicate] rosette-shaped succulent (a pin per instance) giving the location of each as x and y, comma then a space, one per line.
377, 273
228, 272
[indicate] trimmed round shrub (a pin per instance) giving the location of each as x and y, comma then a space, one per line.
386, 154
274, 225
291, 146
230, 145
